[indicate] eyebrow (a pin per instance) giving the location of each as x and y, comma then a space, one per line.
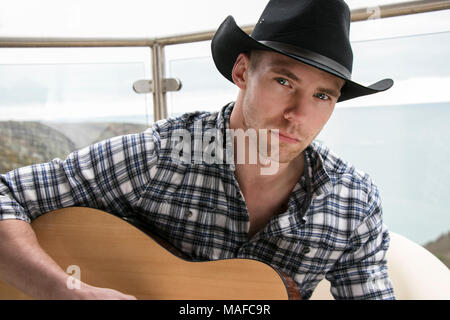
286, 73
289, 74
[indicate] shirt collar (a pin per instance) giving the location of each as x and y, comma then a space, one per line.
319, 170
223, 118
223, 124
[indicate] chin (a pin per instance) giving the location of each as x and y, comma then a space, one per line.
286, 152
285, 157
289, 150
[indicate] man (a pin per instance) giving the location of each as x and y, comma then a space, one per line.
315, 216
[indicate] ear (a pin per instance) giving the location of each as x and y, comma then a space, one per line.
240, 70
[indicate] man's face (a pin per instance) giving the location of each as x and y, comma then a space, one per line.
285, 94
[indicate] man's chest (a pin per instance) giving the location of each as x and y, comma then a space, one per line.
261, 208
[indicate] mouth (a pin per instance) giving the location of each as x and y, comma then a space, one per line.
287, 138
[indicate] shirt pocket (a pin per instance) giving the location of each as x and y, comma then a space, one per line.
308, 254
188, 226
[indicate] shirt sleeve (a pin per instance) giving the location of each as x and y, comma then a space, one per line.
361, 272
109, 175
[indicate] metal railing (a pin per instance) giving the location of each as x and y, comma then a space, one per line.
157, 44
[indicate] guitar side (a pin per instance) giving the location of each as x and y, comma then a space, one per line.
110, 252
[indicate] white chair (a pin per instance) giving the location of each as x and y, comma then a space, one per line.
416, 274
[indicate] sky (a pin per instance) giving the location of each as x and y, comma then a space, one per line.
418, 65
131, 18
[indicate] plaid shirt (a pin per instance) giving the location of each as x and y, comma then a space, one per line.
333, 226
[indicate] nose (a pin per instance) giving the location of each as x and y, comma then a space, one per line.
298, 108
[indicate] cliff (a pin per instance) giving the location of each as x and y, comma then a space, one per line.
441, 248
25, 143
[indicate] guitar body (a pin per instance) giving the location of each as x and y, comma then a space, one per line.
106, 251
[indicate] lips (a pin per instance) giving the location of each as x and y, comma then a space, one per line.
287, 137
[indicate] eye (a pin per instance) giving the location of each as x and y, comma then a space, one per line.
282, 81
322, 96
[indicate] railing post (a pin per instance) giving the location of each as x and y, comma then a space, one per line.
159, 95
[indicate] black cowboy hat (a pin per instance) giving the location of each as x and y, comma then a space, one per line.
315, 32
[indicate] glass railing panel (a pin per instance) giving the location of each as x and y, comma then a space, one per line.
401, 137
203, 87
56, 100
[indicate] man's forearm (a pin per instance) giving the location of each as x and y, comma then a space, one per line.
25, 265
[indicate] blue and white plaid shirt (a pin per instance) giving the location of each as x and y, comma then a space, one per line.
332, 228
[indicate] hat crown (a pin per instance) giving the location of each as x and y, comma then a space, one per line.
320, 26
314, 32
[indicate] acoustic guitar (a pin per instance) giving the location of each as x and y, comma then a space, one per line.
107, 251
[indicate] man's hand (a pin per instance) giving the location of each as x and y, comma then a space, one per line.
88, 292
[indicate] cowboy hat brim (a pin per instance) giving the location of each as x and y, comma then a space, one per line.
230, 40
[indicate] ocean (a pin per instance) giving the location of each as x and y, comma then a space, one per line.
405, 149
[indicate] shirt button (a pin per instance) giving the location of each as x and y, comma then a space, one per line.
306, 250
188, 213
